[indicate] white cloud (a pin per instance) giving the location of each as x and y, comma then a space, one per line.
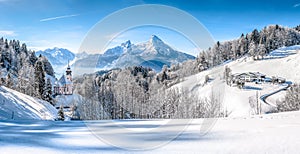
296, 5
59, 17
7, 33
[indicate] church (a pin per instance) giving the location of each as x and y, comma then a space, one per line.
64, 86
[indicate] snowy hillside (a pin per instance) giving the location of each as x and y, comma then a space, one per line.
283, 62
18, 106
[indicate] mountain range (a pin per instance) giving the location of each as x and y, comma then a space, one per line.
57, 56
153, 53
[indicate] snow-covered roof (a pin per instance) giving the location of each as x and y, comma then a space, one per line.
63, 81
251, 74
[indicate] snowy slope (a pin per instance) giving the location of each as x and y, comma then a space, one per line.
18, 106
283, 62
273, 133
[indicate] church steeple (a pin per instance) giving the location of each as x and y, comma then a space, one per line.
69, 72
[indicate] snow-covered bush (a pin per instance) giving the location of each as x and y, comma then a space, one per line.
292, 99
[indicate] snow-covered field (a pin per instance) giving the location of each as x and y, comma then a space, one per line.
273, 133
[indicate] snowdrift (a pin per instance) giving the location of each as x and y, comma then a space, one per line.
17, 106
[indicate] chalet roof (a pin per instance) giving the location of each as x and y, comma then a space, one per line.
259, 74
251, 74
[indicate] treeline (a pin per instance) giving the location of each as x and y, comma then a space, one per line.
256, 44
21, 70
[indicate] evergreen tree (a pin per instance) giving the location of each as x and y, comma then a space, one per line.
9, 81
47, 95
32, 58
46, 65
164, 73
253, 50
255, 36
60, 114
39, 76
261, 50
297, 27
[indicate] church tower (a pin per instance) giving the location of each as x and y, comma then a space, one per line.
69, 73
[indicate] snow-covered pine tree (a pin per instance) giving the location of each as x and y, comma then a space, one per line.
9, 81
60, 114
292, 100
32, 58
47, 95
46, 65
39, 79
253, 50
261, 51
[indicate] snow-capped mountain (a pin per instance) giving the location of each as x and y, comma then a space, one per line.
101, 60
154, 53
57, 56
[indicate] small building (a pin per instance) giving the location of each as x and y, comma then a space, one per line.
260, 77
281, 80
64, 86
246, 77
249, 77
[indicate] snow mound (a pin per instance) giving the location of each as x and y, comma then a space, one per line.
18, 106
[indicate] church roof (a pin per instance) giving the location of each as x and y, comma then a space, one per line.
63, 81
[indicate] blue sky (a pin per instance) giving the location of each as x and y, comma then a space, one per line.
64, 23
